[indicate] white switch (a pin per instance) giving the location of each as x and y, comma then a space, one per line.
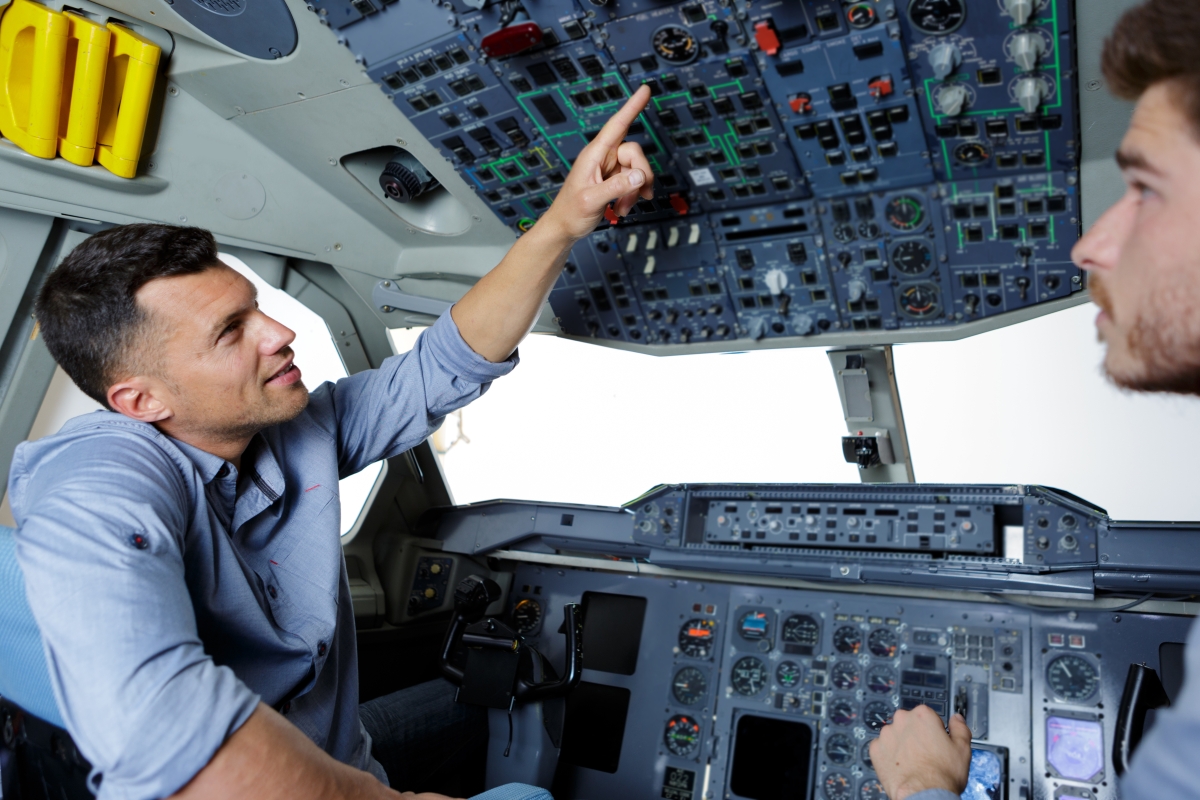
951, 100
1030, 92
631, 245
944, 58
776, 281
694, 233
673, 237
651, 238
649, 268
1019, 10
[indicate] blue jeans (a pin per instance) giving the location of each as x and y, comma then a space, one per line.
426, 742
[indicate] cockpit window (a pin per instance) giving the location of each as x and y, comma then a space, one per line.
577, 423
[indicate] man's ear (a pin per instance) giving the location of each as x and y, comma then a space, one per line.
141, 398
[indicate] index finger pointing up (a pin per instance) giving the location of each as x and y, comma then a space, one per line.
618, 124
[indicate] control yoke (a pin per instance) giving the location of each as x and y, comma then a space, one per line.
500, 668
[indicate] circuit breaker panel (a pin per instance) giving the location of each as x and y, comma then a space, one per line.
819, 166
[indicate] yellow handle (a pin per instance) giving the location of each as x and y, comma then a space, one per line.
83, 89
128, 86
33, 46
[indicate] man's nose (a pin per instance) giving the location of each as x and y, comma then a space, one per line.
1100, 248
276, 335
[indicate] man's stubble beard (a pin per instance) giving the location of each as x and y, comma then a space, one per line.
1165, 347
262, 417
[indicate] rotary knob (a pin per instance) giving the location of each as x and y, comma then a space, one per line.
1030, 92
776, 280
802, 324
856, 290
944, 58
1027, 48
1019, 10
951, 100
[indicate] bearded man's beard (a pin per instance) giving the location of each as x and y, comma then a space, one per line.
1165, 350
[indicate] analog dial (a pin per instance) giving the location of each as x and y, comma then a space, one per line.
788, 674
748, 676
972, 153
675, 44
937, 17
881, 679
904, 213
883, 643
912, 257
1072, 678
838, 787
696, 637
920, 300
872, 790
842, 712
689, 686
860, 15
876, 714
868, 230
847, 640
844, 675
843, 232
526, 616
801, 629
682, 736
839, 748
865, 754
755, 626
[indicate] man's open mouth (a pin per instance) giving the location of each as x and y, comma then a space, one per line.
289, 374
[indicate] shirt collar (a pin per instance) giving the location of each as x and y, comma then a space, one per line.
208, 465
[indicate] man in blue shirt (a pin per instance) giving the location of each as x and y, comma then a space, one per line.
1143, 258
181, 551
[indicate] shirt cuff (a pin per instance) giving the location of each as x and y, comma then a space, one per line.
458, 357
934, 794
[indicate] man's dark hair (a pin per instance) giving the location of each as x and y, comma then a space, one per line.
87, 309
1155, 42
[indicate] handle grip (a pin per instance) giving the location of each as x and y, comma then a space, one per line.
1143, 692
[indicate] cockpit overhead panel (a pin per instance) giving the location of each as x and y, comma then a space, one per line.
825, 172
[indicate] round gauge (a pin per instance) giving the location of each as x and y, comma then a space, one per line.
847, 640
696, 637
865, 754
844, 675
881, 679
526, 616
912, 257
868, 230
972, 153
839, 748
748, 676
1072, 678
674, 44
872, 790
883, 643
689, 686
682, 735
904, 212
842, 712
920, 300
860, 15
788, 674
755, 626
801, 629
876, 714
838, 787
937, 17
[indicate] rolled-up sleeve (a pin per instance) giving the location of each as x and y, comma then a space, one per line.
380, 413
101, 546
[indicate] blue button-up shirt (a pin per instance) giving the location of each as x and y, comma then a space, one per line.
174, 594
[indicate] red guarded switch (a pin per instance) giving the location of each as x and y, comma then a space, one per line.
511, 40
880, 87
766, 37
610, 214
679, 203
801, 103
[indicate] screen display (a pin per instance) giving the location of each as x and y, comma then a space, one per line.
1075, 747
612, 631
986, 779
770, 759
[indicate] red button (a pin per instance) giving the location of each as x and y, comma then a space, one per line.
511, 40
801, 104
880, 87
679, 203
767, 38
610, 214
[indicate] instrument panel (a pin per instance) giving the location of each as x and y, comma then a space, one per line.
744, 691
873, 168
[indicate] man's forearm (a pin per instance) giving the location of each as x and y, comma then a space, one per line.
500, 310
268, 758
